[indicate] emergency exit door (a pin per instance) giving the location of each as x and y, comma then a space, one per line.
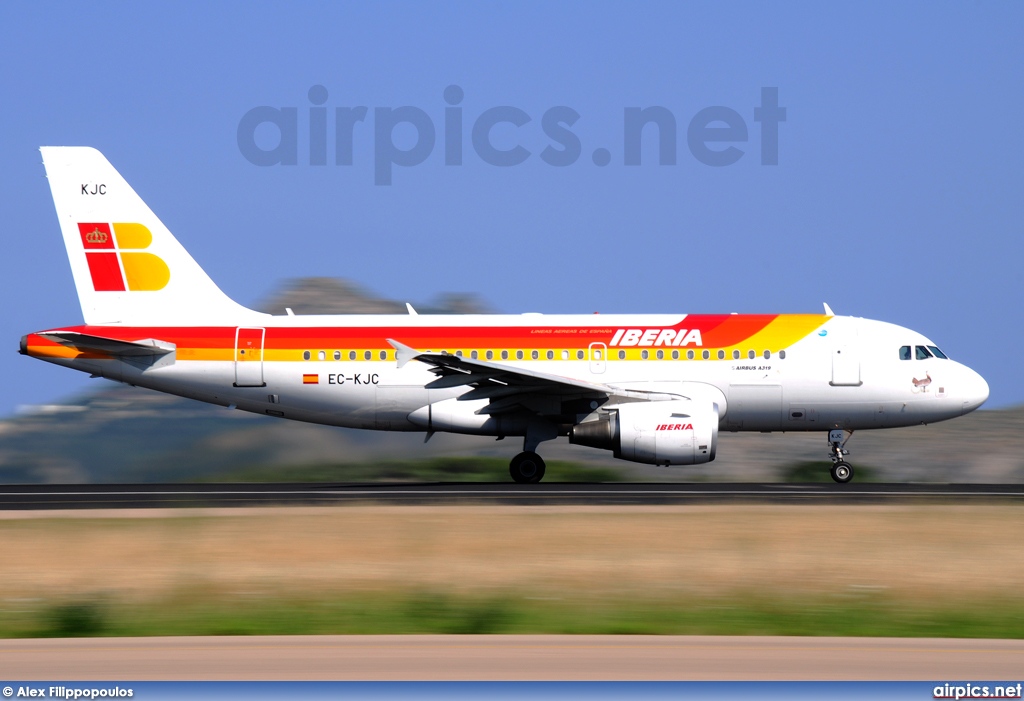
249, 357
598, 357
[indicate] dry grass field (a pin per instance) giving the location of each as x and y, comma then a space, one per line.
953, 569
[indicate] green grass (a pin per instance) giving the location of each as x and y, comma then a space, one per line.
451, 469
433, 612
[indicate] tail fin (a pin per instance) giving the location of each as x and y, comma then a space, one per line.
128, 268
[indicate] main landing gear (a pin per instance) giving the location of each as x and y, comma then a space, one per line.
527, 468
842, 471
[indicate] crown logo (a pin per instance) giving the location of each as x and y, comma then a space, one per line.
96, 236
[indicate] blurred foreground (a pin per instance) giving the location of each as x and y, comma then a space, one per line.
929, 571
122, 434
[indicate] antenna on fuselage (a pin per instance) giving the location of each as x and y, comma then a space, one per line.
828, 309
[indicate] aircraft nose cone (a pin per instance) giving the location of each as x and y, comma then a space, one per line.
975, 391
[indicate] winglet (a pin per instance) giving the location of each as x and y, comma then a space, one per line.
828, 309
403, 353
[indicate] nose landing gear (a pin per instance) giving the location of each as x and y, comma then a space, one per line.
842, 471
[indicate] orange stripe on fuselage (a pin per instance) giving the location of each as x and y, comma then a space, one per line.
218, 342
735, 329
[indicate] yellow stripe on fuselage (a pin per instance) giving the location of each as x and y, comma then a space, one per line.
781, 333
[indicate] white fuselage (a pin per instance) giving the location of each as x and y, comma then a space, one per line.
847, 374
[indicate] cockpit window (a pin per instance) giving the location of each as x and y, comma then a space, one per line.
938, 353
904, 352
923, 353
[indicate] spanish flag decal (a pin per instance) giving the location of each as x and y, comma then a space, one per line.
310, 379
124, 266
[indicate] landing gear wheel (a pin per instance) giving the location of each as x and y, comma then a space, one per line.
527, 468
842, 472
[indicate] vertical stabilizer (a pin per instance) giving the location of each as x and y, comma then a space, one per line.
128, 268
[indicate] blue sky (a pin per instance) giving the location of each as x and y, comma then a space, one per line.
897, 194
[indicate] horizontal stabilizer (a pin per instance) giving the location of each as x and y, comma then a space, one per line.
111, 346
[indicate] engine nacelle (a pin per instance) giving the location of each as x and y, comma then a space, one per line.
676, 432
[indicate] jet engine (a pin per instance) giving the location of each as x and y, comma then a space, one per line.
673, 432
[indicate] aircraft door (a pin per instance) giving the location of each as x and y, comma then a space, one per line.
249, 357
845, 366
598, 357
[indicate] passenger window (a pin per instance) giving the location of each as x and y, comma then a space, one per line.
751, 354
721, 355
383, 355
579, 355
767, 355
367, 355
321, 355
689, 355
305, 355
904, 352
706, 355
675, 355
551, 355
782, 355
351, 355
535, 354
565, 355
473, 355
519, 355
922, 353
622, 355
735, 355
938, 353
644, 355
661, 355
337, 355
504, 355
490, 355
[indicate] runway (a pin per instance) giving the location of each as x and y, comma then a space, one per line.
36, 497
511, 657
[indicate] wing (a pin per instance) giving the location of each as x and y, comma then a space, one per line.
515, 389
510, 389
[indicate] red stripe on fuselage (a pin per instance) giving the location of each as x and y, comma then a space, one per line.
735, 329
717, 330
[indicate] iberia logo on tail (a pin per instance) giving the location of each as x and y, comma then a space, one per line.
117, 260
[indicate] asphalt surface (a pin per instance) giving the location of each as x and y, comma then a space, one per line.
512, 657
34, 497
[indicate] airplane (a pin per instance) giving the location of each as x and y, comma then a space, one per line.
652, 388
